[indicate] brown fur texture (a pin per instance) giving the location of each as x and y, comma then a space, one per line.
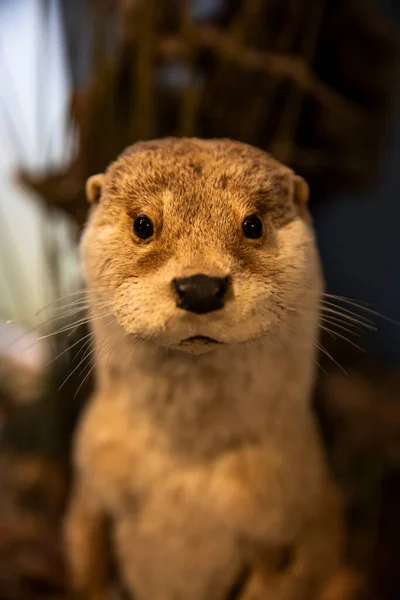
204, 457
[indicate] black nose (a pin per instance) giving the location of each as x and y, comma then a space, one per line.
201, 294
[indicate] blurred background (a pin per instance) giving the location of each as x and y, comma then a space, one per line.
314, 82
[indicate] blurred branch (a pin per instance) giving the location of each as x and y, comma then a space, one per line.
281, 75
144, 121
282, 145
278, 65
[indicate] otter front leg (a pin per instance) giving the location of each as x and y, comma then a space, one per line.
310, 563
86, 548
264, 494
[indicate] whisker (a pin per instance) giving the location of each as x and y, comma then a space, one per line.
338, 318
83, 381
336, 314
343, 337
69, 295
342, 327
321, 367
87, 353
71, 304
100, 306
334, 305
67, 349
364, 308
349, 301
44, 325
86, 320
76, 368
322, 349
76, 324
343, 312
91, 364
83, 349
101, 355
357, 302
83, 292
346, 313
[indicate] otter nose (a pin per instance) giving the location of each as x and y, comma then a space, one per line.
200, 294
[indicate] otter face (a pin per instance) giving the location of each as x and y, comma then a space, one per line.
200, 243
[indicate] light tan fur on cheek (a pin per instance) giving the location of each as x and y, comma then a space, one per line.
144, 306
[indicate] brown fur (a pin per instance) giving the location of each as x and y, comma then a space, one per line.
206, 458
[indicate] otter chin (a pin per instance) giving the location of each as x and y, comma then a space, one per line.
199, 344
200, 339
199, 447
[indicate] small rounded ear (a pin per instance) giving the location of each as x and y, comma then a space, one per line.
301, 193
94, 186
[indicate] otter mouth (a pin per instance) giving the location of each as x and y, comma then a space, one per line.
200, 339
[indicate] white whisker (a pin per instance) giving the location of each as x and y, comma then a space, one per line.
322, 349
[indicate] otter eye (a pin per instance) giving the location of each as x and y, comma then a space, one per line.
143, 227
252, 227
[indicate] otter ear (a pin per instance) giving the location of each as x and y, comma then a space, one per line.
301, 193
94, 186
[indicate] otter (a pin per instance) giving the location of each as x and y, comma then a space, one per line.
199, 445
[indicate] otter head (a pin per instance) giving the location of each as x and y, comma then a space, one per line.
199, 243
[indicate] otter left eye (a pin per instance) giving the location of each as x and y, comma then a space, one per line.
143, 227
252, 227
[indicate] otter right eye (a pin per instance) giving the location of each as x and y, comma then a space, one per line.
143, 227
252, 227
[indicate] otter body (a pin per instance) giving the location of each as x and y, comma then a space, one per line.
199, 444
